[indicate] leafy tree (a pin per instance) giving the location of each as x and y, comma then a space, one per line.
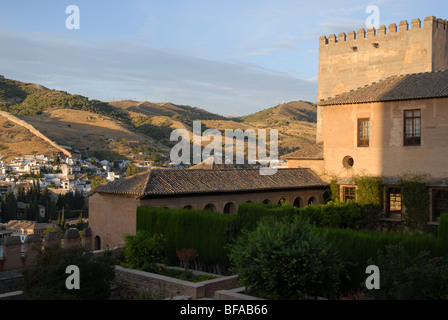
286, 259
46, 279
9, 207
131, 169
143, 251
96, 181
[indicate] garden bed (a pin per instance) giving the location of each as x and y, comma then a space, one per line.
134, 283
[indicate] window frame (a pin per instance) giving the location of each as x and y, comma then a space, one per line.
413, 140
348, 196
434, 217
393, 190
363, 142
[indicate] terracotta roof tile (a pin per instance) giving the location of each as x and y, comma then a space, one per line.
159, 182
402, 87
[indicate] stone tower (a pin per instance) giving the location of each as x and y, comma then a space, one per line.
353, 60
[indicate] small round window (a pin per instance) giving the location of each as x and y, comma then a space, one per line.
348, 162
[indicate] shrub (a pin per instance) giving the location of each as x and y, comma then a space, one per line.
356, 247
286, 260
46, 279
143, 251
404, 277
415, 199
339, 214
443, 232
368, 190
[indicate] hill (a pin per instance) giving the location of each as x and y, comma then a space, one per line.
130, 128
177, 112
17, 141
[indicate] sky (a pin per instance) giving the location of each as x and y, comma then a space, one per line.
229, 57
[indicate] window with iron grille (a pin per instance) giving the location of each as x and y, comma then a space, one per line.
412, 127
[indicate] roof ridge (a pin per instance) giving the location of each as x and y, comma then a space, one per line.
146, 182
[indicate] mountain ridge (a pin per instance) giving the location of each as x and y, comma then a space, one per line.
126, 127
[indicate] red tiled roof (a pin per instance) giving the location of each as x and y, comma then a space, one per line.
159, 182
402, 87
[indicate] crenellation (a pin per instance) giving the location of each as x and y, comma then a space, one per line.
351, 35
381, 30
362, 33
392, 28
429, 22
416, 24
403, 26
323, 40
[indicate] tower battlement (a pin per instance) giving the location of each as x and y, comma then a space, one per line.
430, 22
352, 60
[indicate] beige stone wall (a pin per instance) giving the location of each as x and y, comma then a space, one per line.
386, 154
111, 217
352, 60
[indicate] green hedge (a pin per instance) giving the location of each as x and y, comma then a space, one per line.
211, 233
357, 246
206, 232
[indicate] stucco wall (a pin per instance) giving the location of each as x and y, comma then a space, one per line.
111, 217
386, 154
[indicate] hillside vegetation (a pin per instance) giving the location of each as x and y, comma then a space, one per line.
128, 127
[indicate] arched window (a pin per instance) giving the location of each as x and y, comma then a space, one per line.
229, 208
298, 202
312, 200
210, 207
97, 243
281, 201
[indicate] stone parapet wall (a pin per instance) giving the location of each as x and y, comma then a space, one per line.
134, 281
16, 255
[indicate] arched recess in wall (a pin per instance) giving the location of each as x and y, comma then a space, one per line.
97, 243
210, 207
267, 201
230, 208
188, 207
298, 202
312, 200
281, 201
